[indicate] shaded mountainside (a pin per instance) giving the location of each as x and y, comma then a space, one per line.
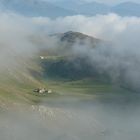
65, 68
72, 60
72, 37
68, 62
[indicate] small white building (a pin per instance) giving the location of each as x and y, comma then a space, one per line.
42, 90
42, 57
49, 91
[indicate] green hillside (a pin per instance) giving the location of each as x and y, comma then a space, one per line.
63, 72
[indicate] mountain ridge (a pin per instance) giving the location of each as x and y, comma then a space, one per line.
93, 8
68, 8
35, 8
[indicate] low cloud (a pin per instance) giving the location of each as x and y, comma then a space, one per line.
22, 37
119, 58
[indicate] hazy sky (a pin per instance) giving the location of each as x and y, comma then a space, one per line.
114, 1
103, 1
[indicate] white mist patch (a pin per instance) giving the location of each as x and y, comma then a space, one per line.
20, 41
14, 40
84, 119
22, 37
106, 27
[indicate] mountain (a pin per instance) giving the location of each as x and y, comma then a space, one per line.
55, 68
17, 84
73, 37
67, 61
35, 8
78, 56
85, 8
127, 9
69, 41
68, 8
93, 8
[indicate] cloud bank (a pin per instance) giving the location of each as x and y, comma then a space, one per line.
22, 37
121, 58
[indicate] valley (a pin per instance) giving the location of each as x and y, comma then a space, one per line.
83, 103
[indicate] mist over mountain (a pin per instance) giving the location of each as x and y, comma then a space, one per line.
63, 8
84, 8
68, 77
34, 8
81, 56
93, 8
127, 9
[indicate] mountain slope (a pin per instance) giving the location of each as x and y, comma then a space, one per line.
16, 85
78, 56
73, 37
69, 61
127, 9
85, 8
93, 8
35, 8
68, 8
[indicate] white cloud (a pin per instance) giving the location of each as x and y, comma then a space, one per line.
123, 32
102, 26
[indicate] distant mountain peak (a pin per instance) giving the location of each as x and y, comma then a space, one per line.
73, 37
62, 8
35, 8
127, 9
129, 3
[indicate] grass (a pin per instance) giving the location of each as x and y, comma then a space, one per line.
84, 86
20, 90
63, 90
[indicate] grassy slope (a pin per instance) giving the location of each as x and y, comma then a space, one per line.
16, 86
65, 79
21, 93
59, 74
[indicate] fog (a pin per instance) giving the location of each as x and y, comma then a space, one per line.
14, 44
75, 119
20, 42
101, 117
120, 57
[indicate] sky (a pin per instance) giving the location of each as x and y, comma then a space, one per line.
115, 1
110, 2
